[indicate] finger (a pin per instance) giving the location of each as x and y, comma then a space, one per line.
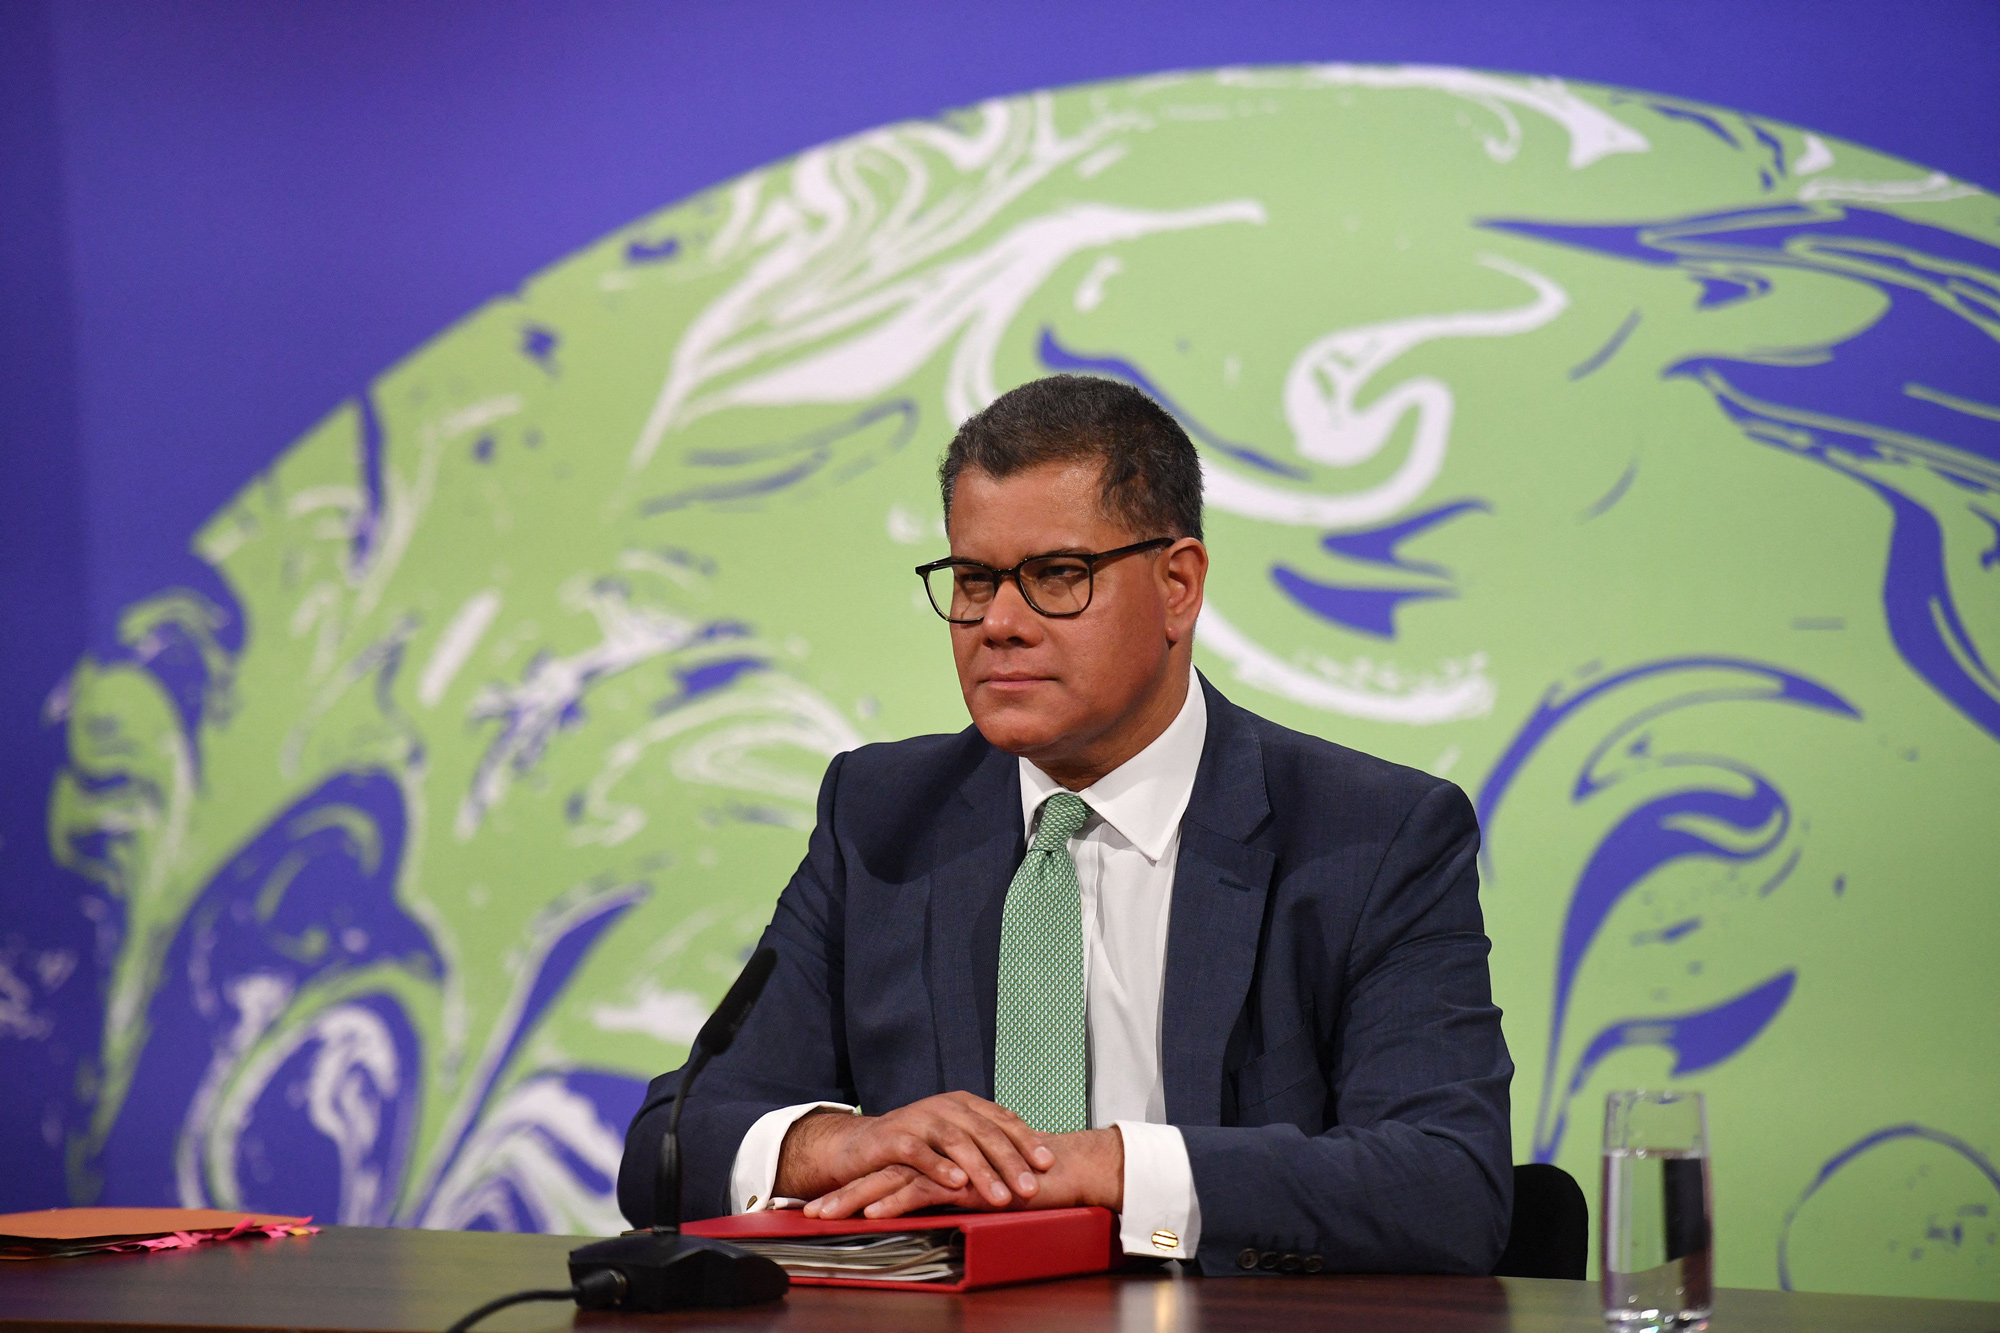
998, 1150
1027, 1140
948, 1123
858, 1194
909, 1148
855, 1195
922, 1192
1010, 1144
1007, 1153
956, 1134
1025, 1137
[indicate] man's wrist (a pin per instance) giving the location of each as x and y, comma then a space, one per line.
801, 1173
1096, 1157
1114, 1176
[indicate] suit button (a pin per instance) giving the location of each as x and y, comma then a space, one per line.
1314, 1263
1246, 1259
1289, 1264
1268, 1260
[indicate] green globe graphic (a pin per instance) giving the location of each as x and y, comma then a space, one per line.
1633, 463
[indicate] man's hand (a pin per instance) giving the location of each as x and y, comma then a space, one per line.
957, 1141
1089, 1168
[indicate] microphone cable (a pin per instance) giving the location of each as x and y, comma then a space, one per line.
594, 1291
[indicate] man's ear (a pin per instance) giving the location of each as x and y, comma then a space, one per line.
1184, 573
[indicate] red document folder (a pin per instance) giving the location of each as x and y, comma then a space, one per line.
999, 1247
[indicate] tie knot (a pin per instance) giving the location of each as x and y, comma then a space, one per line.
1062, 815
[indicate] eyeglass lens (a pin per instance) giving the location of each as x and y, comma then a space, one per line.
1055, 585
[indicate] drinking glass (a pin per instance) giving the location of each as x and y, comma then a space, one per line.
1656, 1224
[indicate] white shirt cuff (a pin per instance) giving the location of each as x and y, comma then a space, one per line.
756, 1168
1162, 1216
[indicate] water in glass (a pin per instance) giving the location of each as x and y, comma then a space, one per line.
1657, 1228
1659, 1274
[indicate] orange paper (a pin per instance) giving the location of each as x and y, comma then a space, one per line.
85, 1224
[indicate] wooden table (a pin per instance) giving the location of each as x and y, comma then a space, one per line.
353, 1278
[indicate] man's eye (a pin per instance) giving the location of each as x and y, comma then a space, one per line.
1061, 573
976, 582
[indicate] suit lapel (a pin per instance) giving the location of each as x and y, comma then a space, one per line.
1217, 919
980, 844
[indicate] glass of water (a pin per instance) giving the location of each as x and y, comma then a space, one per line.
1655, 1221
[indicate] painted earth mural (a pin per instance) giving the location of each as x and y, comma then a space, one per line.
1634, 463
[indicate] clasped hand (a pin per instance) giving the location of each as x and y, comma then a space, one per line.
955, 1150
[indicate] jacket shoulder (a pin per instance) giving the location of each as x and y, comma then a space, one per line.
889, 782
915, 758
884, 804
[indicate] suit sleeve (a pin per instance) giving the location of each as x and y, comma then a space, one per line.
1414, 1173
793, 1049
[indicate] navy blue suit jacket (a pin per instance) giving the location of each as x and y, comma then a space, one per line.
1329, 1044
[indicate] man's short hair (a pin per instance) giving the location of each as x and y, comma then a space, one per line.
1151, 482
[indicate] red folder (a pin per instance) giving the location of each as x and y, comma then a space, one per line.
999, 1247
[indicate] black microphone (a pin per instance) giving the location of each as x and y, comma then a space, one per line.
713, 1039
660, 1268
729, 1016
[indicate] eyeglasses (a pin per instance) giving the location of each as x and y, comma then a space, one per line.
1057, 586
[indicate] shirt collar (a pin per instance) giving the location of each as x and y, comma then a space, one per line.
1144, 797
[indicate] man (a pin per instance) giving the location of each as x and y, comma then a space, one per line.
1120, 942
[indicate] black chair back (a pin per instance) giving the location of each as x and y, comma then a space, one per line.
1551, 1235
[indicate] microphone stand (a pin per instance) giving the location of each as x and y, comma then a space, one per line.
660, 1267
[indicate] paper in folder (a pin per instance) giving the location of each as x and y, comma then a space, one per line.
940, 1252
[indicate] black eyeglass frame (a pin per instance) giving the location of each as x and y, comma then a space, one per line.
1090, 559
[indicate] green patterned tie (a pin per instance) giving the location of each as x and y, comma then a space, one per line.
1040, 1071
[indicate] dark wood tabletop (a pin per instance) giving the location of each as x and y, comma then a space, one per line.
359, 1278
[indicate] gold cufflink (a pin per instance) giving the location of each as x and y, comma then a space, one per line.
1164, 1239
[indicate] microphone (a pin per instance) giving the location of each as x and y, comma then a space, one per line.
660, 1268
713, 1039
729, 1016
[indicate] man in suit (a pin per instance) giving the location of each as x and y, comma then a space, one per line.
1120, 942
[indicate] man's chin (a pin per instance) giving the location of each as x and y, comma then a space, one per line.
1016, 720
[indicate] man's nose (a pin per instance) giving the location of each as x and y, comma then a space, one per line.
1009, 618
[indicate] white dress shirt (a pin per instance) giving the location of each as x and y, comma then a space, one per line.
1125, 856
